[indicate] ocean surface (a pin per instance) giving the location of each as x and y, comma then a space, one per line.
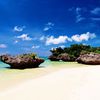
3, 65
48, 63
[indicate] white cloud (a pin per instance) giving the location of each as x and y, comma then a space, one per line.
35, 47
42, 38
53, 40
63, 39
19, 28
79, 17
16, 41
3, 46
96, 11
48, 26
78, 10
83, 37
24, 37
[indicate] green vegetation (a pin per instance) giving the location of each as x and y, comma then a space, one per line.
29, 55
75, 50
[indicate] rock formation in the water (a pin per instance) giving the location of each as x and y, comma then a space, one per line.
21, 61
90, 58
64, 57
71, 53
53, 58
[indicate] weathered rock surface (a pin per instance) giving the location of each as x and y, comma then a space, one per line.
53, 58
18, 62
90, 58
63, 57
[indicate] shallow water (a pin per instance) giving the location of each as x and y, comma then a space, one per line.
3, 65
49, 63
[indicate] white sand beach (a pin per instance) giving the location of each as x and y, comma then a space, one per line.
65, 84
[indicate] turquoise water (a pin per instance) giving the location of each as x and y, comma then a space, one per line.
48, 63
3, 65
45, 64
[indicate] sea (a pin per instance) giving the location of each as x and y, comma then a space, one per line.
4, 65
47, 63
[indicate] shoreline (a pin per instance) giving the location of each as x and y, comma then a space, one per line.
64, 84
11, 77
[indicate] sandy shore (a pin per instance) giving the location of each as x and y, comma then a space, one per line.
11, 77
65, 84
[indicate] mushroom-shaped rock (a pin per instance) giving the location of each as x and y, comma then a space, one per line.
21, 62
90, 58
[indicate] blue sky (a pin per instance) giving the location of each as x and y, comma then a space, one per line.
39, 25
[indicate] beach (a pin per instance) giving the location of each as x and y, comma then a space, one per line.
50, 50
52, 83
11, 77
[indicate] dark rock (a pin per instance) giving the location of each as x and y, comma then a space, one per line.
53, 58
64, 57
21, 62
90, 58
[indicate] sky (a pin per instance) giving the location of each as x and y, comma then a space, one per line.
40, 25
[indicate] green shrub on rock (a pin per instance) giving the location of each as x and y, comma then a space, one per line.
73, 52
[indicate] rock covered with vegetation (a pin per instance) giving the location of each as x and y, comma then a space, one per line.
22, 61
89, 58
73, 52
